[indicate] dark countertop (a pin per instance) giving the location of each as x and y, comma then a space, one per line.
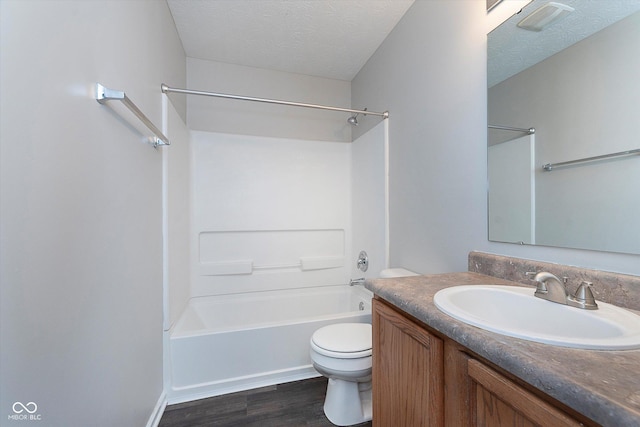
602, 385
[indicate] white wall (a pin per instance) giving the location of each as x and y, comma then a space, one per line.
369, 200
251, 118
81, 236
430, 73
268, 213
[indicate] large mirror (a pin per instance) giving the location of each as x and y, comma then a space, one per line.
564, 126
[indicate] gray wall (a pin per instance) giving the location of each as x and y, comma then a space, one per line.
81, 209
430, 73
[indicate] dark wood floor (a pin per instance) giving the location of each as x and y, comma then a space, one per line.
295, 404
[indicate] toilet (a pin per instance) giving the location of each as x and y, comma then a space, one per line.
342, 353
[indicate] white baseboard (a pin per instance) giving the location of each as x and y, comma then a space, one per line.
158, 410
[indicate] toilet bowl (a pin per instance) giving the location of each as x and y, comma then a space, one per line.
342, 353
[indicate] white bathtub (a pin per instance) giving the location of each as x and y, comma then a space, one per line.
229, 343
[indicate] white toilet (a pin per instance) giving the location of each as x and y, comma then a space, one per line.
342, 353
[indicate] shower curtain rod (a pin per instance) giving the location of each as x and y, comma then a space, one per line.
529, 131
167, 89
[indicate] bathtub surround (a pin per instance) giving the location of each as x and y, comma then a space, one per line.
370, 199
276, 226
268, 213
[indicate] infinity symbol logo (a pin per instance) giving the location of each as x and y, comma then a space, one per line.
30, 407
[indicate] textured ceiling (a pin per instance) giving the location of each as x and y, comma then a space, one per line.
512, 49
325, 38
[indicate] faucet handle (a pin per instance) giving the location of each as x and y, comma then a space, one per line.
584, 295
363, 261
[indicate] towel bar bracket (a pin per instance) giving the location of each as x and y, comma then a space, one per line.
104, 94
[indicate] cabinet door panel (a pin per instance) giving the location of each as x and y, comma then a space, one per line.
407, 372
491, 411
500, 402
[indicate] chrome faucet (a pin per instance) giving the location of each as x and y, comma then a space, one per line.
359, 281
551, 288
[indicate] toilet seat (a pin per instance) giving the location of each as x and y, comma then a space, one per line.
343, 340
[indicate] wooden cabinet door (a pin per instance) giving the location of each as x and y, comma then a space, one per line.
497, 401
408, 386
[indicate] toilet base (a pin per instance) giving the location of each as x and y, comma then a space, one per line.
348, 402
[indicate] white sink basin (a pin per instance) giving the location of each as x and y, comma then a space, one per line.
515, 312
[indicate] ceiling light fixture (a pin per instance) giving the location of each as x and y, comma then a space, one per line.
545, 16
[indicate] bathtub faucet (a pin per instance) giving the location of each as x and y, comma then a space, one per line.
359, 281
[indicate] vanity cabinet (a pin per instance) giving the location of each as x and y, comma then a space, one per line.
407, 375
423, 379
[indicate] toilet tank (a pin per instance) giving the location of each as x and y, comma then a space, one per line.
396, 272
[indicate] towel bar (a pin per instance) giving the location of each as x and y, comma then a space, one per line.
104, 94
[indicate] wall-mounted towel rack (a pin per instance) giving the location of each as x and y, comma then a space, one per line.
104, 94
529, 131
550, 166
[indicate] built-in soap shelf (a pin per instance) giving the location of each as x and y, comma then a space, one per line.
247, 266
248, 252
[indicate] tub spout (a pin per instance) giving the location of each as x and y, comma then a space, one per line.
359, 281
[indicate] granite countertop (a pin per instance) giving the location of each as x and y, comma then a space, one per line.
602, 385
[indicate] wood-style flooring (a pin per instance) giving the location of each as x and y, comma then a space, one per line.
295, 404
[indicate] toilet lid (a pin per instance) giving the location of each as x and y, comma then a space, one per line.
344, 337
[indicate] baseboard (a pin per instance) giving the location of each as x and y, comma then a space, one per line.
233, 385
158, 410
